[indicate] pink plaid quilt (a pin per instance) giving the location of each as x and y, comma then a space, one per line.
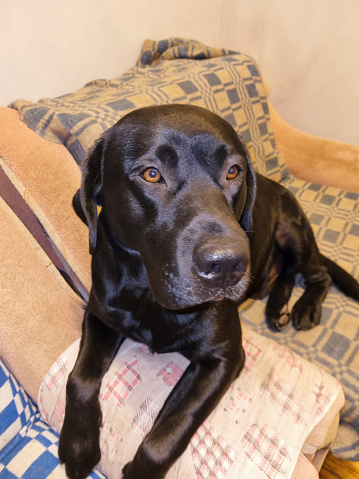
273, 418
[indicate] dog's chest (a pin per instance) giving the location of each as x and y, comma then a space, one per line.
161, 330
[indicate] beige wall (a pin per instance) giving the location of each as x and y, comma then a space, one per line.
308, 50
51, 47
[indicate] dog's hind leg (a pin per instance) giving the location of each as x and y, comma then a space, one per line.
297, 243
307, 311
277, 311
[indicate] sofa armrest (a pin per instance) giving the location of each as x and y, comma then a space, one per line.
45, 174
315, 159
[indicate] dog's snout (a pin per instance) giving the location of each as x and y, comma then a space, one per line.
220, 264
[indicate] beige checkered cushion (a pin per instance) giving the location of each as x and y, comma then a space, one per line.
169, 71
334, 344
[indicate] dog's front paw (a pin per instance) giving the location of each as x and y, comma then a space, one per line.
126, 471
134, 471
79, 445
306, 316
79, 465
278, 319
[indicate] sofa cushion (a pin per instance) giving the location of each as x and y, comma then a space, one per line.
334, 343
170, 71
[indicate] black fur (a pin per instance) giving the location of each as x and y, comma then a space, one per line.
171, 261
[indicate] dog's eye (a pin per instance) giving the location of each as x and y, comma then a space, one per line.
152, 175
233, 172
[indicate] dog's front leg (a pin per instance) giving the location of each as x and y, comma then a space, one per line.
196, 394
79, 446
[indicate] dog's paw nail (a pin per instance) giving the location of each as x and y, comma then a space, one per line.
283, 319
303, 325
280, 326
284, 310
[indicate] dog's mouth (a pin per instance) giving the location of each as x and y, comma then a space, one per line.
178, 292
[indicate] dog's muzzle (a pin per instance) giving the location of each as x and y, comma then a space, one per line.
220, 264
205, 271
204, 258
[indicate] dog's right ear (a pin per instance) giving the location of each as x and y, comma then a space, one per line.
251, 184
90, 192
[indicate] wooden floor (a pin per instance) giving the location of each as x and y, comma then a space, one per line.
335, 469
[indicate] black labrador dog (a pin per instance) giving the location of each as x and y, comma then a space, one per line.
186, 232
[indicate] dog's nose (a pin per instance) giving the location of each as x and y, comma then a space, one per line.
221, 265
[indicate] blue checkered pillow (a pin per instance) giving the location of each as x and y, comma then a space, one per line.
16, 407
28, 446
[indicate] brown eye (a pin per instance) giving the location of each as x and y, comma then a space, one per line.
233, 172
152, 175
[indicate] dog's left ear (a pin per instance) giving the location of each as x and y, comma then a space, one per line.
251, 189
90, 192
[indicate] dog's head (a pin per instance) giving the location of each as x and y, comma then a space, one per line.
176, 185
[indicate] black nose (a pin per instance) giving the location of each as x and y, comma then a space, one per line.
221, 264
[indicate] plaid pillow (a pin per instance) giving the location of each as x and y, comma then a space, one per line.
169, 71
